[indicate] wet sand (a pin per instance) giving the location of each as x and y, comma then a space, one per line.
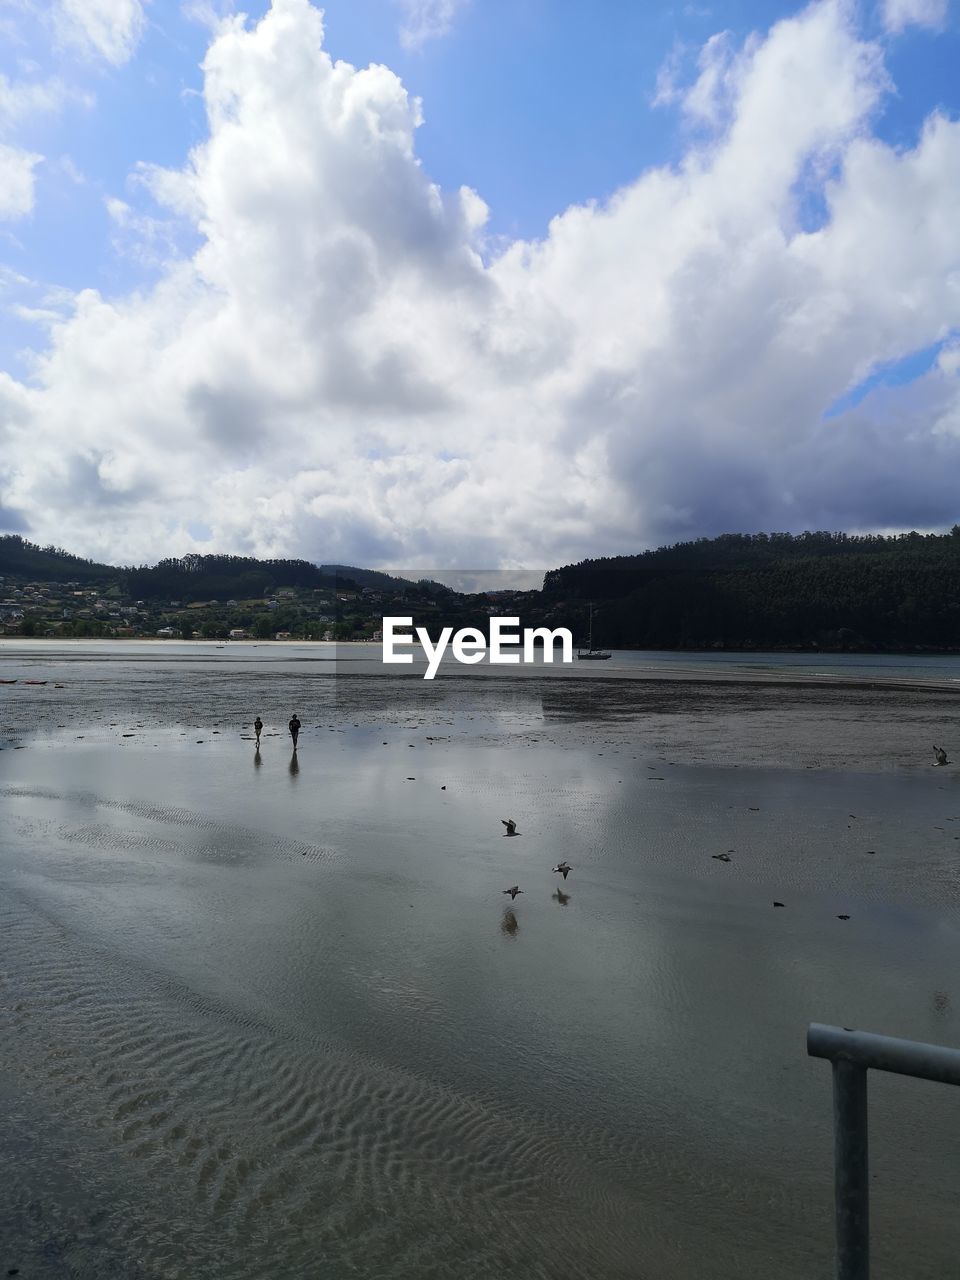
275, 1016
743, 717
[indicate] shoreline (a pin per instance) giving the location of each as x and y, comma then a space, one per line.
344, 658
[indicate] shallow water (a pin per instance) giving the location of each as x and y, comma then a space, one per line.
275, 1015
100, 659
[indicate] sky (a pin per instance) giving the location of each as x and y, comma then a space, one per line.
475, 283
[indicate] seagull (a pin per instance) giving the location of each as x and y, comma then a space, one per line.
564, 868
843, 917
941, 755
510, 825
779, 904
721, 857
513, 891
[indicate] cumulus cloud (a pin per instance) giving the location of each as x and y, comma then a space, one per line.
341, 370
899, 14
425, 20
107, 29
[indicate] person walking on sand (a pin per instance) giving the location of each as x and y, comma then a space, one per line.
294, 727
258, 729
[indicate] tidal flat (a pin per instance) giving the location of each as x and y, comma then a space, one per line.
265, 1014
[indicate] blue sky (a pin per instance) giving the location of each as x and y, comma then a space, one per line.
536, 106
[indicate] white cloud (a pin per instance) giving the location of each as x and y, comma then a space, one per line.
152, 242
666, 90
426, 20
68, 167
16, 181
107, 29
20, 100
208, 13
899, 14
337, 372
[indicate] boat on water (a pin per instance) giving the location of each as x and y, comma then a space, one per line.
34, 682
8, 682
590, 654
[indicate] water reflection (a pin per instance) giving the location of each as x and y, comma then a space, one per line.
509, 925
561, 897
257, 762
294, 764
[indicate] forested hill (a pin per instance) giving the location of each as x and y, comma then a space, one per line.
739, 591
48, 564
188, 578
195, 577
775, 590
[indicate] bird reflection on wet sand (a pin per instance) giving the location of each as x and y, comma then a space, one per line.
561, 897
509, 925
294, 765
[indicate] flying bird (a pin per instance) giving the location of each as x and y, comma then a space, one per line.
941, 755
564, 868
513, 891
510, 825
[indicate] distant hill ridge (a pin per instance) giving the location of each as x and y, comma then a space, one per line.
737, 591
190, 577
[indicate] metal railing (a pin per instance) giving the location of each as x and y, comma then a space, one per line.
852, 1053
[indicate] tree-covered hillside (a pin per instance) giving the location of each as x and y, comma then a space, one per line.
194, 577
749, 591
47, 564
779, 590
190, 577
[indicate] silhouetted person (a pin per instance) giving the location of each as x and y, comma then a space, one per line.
294, 728
258, 729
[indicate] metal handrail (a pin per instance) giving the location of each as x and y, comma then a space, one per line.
852, 1053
